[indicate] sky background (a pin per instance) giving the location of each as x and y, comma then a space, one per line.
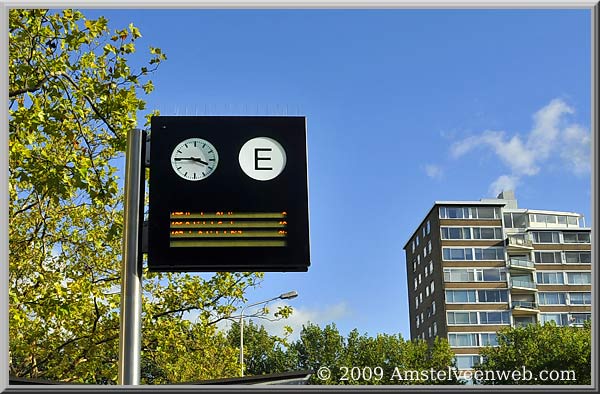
404, 108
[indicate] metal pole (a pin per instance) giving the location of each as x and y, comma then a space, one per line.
242, 341
131, 266
242, 327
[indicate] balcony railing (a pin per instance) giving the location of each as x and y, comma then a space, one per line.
528, 284
519, 240
524, 304
520, 263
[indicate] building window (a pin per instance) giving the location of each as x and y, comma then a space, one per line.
467, 362
419, 278
549, 278
431, 267
545, 237
578, 257
454, 213
433, 307
485, 213
456, 233
416, 284
421, 297
580, 298
417, 240
423, 231
515, 220
434, 328
429, 246
457, 253
547, 257
471, 233
576, 238
428, 227
427, 291
487, 233
418, 259
459, 275
577, 319
489, 339
429, 331
492, 295
494, 317
579, 278
508, 220
417, 321
541, 218
561, 319
432, 286
494, 275
552, 298
474, 275
493, 253
462, 317
460, 296
416, 302
463, 340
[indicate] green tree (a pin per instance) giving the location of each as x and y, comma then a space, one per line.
364, 360
74, 93
540, 347
263, 353
318, 347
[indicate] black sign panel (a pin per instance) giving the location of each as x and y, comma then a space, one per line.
228, 193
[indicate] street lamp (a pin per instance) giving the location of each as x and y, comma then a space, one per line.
283, 296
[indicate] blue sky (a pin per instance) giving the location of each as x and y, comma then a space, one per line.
403, 107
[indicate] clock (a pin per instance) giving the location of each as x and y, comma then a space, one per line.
194, 159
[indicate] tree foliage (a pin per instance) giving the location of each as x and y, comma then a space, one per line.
74, 93
325, 347
541, 348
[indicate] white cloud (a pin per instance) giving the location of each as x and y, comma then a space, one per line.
433, 171
510, 150
550, 137
576, 149
302, 316
504, 182
545, 134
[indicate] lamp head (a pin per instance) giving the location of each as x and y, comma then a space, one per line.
289, 295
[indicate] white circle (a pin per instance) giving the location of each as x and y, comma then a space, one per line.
262, 158
194, 159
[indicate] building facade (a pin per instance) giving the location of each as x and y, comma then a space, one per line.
474, 267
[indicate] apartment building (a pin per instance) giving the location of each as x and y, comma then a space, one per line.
474, 267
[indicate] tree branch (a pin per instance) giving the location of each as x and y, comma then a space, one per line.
28, 89
94, 108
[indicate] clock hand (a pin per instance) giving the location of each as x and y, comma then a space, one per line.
192, 158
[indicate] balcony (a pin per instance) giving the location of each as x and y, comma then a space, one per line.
518, 242
521, 264
520, 308
522, 285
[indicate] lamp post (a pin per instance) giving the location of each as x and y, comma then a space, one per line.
283, 296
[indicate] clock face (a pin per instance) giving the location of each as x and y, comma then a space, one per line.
194, 159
